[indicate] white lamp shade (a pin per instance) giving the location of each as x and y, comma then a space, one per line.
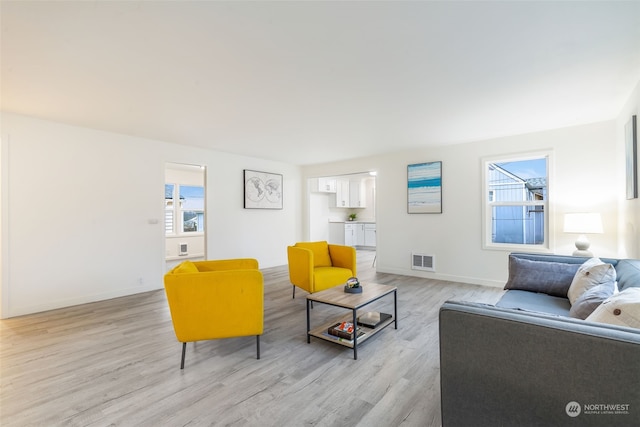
583, 223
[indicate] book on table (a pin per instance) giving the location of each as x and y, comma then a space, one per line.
371, 319
347, 340
344, 330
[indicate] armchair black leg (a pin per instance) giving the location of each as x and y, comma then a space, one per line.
258, 346
184, 350
294, 291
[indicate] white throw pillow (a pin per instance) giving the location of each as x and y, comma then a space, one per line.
621, 309
592, 272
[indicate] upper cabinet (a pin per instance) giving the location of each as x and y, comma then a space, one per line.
323, 185
342, 193
356, 194
350, 193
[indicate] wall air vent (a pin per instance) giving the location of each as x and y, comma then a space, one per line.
423, 262
183, 249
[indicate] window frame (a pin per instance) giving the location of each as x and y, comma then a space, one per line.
487, 205
170, 210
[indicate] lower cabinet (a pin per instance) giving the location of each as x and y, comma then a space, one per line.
369, 235
360, 234
350, 238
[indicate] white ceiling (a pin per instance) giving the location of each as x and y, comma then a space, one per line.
312, 82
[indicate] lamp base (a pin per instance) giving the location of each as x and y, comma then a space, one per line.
582, 246
582, 253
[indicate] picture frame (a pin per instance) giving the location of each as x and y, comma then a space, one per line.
631, 153
424, 188
262, 190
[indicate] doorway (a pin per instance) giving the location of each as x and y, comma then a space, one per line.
334, 200
184, 214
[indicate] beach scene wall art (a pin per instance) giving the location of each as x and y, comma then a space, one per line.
424, 188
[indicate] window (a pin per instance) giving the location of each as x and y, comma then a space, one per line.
515, 202
189, 209
192, 208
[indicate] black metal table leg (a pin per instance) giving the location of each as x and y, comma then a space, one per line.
395, 308
355, 336
308, 323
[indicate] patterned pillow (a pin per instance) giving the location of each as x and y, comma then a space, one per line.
591, 273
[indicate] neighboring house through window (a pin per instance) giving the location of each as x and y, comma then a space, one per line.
189, 210
515, 202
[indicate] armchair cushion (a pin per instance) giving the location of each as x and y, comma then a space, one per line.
186, 267
320, 250
328, 277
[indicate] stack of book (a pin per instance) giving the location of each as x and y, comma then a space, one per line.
344, 331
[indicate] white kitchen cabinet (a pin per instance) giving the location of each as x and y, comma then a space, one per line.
342, 193
327, 185
323, 185
356, 194
369, 235
350, 193
350, 237
359, 234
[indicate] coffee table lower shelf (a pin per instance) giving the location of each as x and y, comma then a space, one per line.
322, 333
356, 304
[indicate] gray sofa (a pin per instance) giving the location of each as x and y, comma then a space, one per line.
526, 362
538, 282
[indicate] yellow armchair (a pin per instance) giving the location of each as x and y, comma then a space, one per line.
215, 299
316, 266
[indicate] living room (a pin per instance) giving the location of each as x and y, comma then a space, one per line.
92, 198
82, 204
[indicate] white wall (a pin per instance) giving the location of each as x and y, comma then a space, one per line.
585, 169
82, 213
629, 219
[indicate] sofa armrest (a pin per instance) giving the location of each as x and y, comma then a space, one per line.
509, 367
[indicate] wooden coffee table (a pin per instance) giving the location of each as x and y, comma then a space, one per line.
337, 297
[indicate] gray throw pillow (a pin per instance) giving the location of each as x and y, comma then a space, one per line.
586, 303
552, 278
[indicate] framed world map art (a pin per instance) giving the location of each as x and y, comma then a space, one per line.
262, 190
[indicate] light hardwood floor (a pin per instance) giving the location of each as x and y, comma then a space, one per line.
117, 362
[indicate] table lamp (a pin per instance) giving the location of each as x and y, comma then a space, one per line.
583, 224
